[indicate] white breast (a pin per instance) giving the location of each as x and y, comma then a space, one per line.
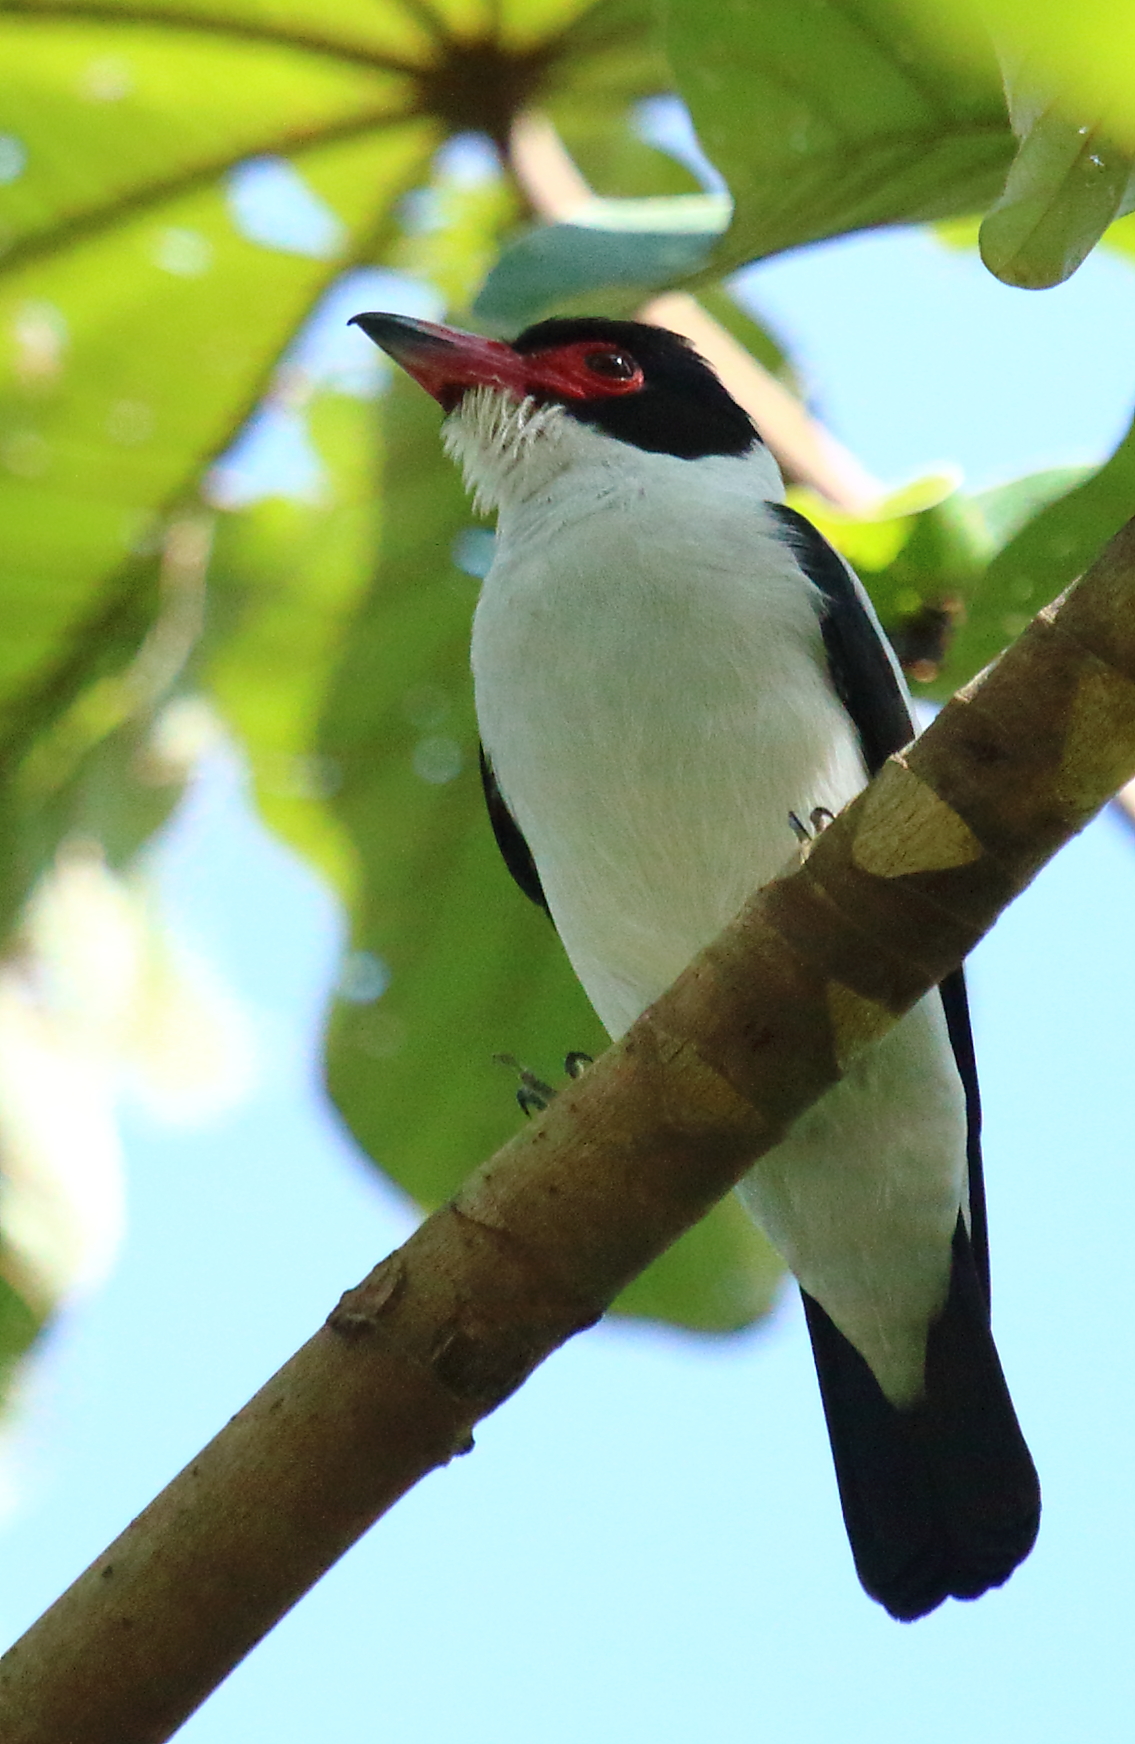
653, 696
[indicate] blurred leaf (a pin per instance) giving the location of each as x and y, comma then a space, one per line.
286, 578
826, 116
631, 245
1064, 187
823, 118
455, 249
20, 1324
1008, 507
140, 328
1049, 551
139, 324
1084, 52
986, 564
464, 966
1121, 237
145, 300
872, 542
613, 157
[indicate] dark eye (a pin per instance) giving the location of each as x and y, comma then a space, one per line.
615, 365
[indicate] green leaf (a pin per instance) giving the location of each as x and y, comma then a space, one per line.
982, 565
20, 1322
140, 326
626, 245
1048, 553
286, 579
1065, 186
467, 967
1121, 237
826, 116
1084, 53
1007, 508
613, 157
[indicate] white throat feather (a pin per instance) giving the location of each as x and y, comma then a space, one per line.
496, 440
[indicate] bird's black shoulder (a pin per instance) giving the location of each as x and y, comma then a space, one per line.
514, 849
860, 667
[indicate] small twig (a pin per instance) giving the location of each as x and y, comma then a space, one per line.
546, 171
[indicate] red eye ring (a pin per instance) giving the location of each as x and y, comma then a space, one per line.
584, 369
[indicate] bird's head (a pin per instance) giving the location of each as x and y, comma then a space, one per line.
639, 385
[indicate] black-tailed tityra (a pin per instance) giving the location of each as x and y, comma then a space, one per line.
671, 669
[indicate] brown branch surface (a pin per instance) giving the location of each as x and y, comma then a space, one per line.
544, 1235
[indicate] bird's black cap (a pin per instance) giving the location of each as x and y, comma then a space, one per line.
682, 408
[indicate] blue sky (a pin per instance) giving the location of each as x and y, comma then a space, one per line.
646, 1545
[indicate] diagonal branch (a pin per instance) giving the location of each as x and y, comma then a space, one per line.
816, 967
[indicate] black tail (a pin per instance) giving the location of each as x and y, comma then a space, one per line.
942, 1500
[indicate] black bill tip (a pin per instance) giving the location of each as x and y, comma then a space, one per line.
394, 333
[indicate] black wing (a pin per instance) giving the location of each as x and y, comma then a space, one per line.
514, 849
865, 683
941, 1499
863, 676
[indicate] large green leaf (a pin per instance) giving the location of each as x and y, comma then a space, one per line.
821, 119
455, 965
826, 116
141, 328
142, 325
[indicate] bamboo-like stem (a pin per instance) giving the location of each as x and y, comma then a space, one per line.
549, 177
542, 1237
807, 453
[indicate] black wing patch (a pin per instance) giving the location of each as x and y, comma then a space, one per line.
514, 849
863, 676
866, 685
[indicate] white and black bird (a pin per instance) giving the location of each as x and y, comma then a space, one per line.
672, 667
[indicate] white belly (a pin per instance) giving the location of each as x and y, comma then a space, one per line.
652, 717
